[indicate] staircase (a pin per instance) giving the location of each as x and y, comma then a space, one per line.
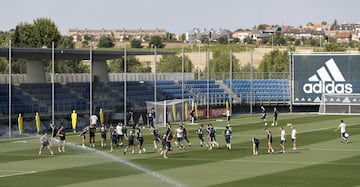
235, 98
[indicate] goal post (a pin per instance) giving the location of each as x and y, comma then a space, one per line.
340, 104
169, 110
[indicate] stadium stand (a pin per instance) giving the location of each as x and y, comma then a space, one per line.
271, 90
199, 89
20, 102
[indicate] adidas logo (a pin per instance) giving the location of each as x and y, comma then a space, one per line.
326, 79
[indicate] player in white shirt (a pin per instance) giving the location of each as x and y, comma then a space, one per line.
282, 139
293, 136
93, 120
343, 134
179, 134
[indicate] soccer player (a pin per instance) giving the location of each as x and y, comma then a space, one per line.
200, 133
227, 135
168, 140
120, 133
61, 134
342, 127
293, 136
93, 120
256, 143
263, 114
44, 142
155, 132
275, 117
82, 134
282, 139
151, 116
228, 116
186, 132
113, 135
212, 136
130, 138
140, 138
92, 131
192, 116
269, 140
53, 132
179, 134
103, 135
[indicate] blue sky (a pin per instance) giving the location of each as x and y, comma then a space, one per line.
176, 16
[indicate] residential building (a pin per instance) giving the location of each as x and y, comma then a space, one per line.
116, 35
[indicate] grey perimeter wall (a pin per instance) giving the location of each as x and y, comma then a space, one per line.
84, 77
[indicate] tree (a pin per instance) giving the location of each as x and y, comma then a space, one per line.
68, 66
66, 42
39, 34
132, 65
262, 27
220, 63
105, 42
170, 36
323, 23
173, 63
275, 61
136, 43
5, 37
248, 40
156, 41
333, 47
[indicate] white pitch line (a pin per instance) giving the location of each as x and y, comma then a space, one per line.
16, 173
131, 164
267, 162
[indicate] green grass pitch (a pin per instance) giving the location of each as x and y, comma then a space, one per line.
320, 160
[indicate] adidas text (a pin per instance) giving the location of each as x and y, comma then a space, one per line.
327, 87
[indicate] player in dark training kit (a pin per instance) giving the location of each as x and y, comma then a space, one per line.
200, 133
227, 135
44, 142
103, 135
155, 132
140, 138
113, 135
62, 136
131, 138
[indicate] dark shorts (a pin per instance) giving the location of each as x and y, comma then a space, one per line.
45, 144
282, 142
263, 116
212, 138
168, 145
227, 139
179, 139
228, 118
343, 135
293, 140
103, 135
92, 134
131, 142
201, 137
114, 139
156, 138
141, 141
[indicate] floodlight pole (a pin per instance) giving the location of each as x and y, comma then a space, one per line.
91, 78
230, 77
251, 82
125, 86
291, 81
52, 83
9, 79
182, 81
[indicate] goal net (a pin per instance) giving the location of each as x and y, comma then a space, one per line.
169, 110
340, 104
